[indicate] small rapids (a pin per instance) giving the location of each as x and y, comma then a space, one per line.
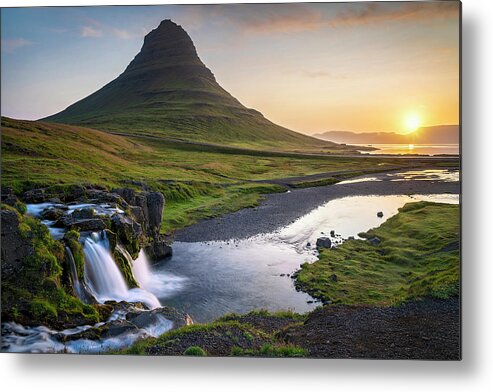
19, 339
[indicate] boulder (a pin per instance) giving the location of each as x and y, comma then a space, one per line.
143, 319
324, 242
332, 233
158, 248
118, 327
380, 214
35, 196
84, 213
52, 213
88, 225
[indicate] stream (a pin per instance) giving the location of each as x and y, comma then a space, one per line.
209, 279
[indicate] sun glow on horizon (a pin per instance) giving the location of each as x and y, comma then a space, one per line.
412, 122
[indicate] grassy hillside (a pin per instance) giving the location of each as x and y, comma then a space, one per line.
418, 257
197, 181
167, 90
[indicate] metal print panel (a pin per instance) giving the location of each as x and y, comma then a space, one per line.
268, 180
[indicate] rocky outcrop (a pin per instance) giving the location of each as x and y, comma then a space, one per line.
128, 232
147, 208
159, 248
16, 244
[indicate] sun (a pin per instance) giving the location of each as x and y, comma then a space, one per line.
412, 122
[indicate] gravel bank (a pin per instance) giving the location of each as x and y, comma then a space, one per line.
278, 210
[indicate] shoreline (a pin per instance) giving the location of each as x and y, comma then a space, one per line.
280, 209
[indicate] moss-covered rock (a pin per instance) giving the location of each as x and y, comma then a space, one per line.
124, 264
34, 294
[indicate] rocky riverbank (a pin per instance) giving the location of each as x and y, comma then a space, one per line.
428, 329
280, 209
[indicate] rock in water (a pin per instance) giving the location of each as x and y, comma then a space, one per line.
380, 214
324, 242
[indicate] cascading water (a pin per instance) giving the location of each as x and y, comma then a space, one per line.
162, 284
104, 278
73, 273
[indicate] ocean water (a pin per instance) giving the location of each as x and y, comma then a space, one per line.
421, 149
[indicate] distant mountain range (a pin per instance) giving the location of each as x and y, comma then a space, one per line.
439, 134
168, 91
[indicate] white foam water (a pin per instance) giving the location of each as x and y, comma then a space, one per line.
104, 278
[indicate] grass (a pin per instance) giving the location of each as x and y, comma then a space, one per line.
226, 336
35, 294
418, 257
198, 181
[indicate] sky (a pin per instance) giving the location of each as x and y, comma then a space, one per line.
364, 67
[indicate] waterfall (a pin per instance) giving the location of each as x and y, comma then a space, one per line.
158, 282
141, 270
73, 274
104, 278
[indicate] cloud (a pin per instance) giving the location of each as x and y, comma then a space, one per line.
9, 45
122, 34
325, 74
373, 13
297, 17
91, 32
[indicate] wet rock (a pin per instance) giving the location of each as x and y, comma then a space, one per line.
332, 233
76, 192
84, 213
118, 327
158, 248
15, 247
374, 241
380, 214
324, 242
145, 318
52, 214
35, 196
128, 232
88, 225
101, 196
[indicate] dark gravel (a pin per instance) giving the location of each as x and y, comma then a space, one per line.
428, 329
280, 209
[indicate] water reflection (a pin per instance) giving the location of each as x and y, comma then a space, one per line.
238, 276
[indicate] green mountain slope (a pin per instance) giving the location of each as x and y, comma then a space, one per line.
167, 90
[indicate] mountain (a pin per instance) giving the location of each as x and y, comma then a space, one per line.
166, 90
439, 134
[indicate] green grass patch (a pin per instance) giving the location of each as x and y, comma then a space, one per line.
195, 351
198, 181
418, 257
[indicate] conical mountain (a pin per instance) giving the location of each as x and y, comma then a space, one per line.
166, 90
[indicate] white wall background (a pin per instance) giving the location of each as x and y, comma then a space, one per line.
474, 373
